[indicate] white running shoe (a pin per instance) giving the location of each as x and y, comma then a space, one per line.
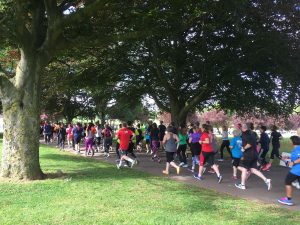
240, 186
268, 183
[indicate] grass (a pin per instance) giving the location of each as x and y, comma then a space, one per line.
93, 192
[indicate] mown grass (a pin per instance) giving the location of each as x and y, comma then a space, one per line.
93, 192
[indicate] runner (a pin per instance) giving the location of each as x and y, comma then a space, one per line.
98, 136
62, 136
249, 158
294, 173
47, 132
207, 154
124, 136
139, 138
118, 145
77, 135
225, 143
162, 130
194, 139
131, 143
182, 146
89, 139
70, 135
154, 136
107, 139
236, 146
264, 147
170, 142
275, 140
148, 145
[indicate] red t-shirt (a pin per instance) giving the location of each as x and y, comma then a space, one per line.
206, 147
124, 135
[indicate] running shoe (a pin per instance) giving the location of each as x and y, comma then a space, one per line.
185, 166
118, 166
240, 186
268, 183
165, 172
133, 163
220, 160
181, 164
266, 167
220, 178
285, 201
178, 170
196, 176
296, 184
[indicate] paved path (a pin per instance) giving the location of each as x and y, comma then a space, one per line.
256, 188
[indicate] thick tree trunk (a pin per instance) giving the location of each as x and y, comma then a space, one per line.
177, 116
20, 99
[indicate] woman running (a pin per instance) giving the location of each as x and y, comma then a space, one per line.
195, 147
70, 135
207, 154
225, 143
89, 139
236, 148
154, 136
294, 173
170, 142
182, 145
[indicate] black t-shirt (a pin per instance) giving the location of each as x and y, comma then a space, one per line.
154, 134
249, 137
162, 129
275, 138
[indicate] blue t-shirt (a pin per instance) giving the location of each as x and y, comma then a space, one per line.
295, 155
236, 144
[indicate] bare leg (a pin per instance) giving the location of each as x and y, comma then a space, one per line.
234, 171
216, 169
244, 175
289, 191
258, 173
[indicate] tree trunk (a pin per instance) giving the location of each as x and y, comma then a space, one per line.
177, 116
20, 99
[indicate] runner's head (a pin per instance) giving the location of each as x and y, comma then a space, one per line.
295, 140
205, 128
274, 128
225, 128
263, 128
161, 122
138, 125
154, 125
124, 124
120, 125
170, 129
236, 133
245, 127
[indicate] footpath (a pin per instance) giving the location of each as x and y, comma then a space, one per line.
256, 188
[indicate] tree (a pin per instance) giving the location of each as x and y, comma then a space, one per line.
38, 29
211, 53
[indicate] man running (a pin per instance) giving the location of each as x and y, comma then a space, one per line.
249, 158
162, 131
124, 135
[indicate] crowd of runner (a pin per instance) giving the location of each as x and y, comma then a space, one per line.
247, 150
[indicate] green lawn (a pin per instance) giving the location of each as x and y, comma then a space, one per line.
93, 192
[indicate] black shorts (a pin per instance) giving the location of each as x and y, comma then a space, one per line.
148, 141
290, 178
130, 147
196, 148
123, 152
236, 162
77, 140
249, 163
170, 156
207, 157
